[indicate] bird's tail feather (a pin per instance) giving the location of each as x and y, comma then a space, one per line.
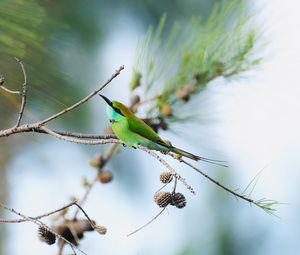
196, 158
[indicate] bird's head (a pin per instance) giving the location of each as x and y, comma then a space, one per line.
116, 109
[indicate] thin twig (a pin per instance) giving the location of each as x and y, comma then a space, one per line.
251, 201
95, 142
82, 101
35, 126
61, 246
86, 194
74, 134
73, 232
149, 222
40, 223
2, 80
162, 187
86, 215
175, 185
81, 135
156, 216
172, 170
10, 91
37, 217
74, 252
108, 154
24, 93
80, 141
153, 154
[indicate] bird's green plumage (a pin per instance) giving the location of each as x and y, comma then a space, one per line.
138, 126
134, 131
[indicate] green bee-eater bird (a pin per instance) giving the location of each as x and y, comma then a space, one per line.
134, 131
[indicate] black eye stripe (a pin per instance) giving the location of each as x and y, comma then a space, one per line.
118, 111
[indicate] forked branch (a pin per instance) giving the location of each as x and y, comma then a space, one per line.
35, 127
36, 221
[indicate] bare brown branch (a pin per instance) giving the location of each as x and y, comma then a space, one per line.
108, 154
2, 80
148, 223
82, 101
86, 215
40, 223
117, 141
24, 93
80, 135
33, 128
172, 170
80, 141
36, 127
10, 91
251, 201
37, 217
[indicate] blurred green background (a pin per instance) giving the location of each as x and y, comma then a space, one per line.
71, 46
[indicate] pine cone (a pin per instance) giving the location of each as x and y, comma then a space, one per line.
162, 199
178, 200
46, 236
166, 177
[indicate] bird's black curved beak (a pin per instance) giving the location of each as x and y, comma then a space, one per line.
106, 100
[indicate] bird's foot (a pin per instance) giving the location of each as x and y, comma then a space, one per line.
124, 145
178, 157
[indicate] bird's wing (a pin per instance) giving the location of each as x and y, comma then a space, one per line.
139, 127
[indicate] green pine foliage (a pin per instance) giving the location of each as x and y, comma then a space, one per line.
174, 64
29, 32
20, 19
175, 67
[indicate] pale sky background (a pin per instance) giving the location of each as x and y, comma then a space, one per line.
258, 127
